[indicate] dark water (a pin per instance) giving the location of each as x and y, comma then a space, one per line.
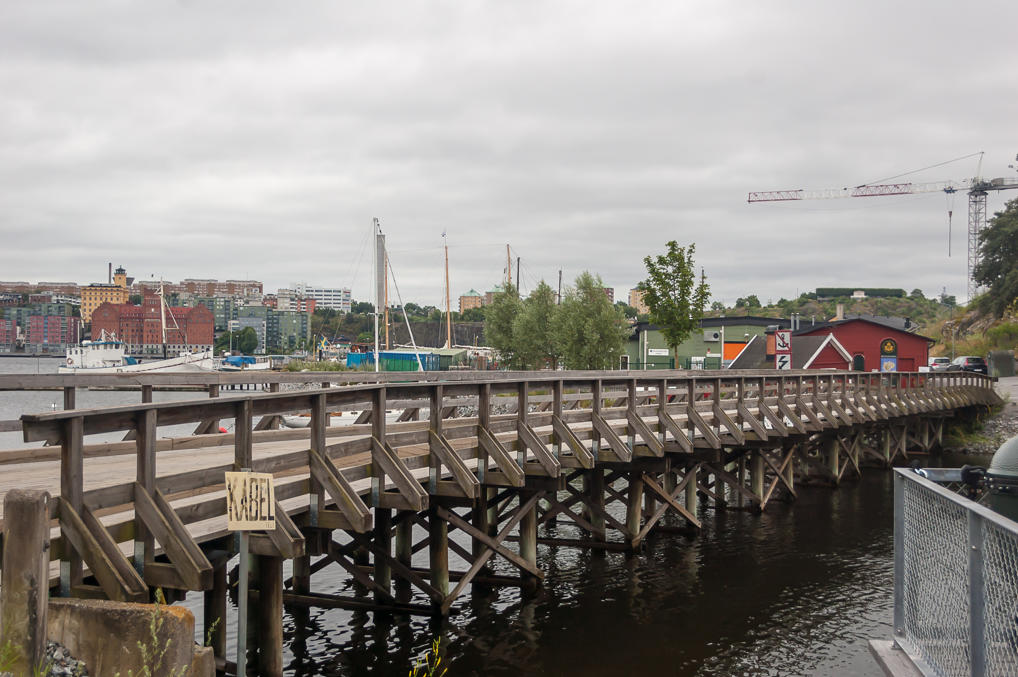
796, 591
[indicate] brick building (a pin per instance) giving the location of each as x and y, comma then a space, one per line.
52, 333
8, 335
141, 330
472, 299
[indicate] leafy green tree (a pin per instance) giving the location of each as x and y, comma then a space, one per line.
471, 315
589, 331
244, 340
532, 329
998, 267
750, 301
499, 319
362, 308
671, 291
629, 311
717, 305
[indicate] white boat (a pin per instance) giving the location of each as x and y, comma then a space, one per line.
107, 356
244, 363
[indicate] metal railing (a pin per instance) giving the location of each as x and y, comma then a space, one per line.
955, 581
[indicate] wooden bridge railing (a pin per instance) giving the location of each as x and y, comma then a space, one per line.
523, 435
333, 477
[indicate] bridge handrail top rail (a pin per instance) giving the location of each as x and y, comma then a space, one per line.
46, 381
535, 378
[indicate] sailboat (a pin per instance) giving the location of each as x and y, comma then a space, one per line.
108, 355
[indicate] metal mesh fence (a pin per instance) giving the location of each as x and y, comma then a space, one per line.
956, 584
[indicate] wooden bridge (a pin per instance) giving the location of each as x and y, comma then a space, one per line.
498, 455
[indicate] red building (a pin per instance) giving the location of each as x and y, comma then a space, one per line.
8, 334
140, 327
52, 333
877, 346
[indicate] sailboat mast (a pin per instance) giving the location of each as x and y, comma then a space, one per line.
448, 305
162, 314
508, 265
379, 257
386, 273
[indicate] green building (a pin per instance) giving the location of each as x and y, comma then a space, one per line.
224, 310
703, 349
284, 330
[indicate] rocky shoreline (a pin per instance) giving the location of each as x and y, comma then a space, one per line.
995, 431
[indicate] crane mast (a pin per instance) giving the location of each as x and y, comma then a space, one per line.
977, 190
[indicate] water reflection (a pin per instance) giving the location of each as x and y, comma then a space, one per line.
797, 590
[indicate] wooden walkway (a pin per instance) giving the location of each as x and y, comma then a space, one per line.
150, 512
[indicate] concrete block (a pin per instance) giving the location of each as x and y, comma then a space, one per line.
117, 637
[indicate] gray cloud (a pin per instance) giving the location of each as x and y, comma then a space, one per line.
236, 139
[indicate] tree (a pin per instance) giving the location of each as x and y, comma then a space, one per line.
717, 305
472, 315
917, 294
589, 332
244, 340
998, 267
532, 329
671, 292
948, 300
750, 301
499, 318
362, 308
629, 311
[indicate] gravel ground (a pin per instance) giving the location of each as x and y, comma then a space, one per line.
59, 662
1004, 425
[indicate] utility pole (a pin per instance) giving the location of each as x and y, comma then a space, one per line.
508, 266
558, 296
518, 275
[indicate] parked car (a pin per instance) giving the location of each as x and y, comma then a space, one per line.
939, 363
970, 363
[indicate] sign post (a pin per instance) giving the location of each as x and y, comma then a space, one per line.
250, 506
783, 349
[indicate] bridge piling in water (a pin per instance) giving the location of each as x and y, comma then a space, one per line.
592, 460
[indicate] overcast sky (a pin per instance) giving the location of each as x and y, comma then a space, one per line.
257, 140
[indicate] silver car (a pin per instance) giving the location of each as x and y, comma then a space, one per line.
939, 363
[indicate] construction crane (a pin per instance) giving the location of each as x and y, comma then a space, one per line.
977, 189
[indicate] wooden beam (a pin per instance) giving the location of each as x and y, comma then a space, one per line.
341, 492
465, 480
409, 488
527, 439
506, 464
620, 448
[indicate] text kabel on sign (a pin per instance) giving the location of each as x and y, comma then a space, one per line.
250, 501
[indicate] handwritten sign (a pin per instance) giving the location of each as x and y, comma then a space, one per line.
250, 501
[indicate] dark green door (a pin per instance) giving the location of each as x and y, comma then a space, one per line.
859, 363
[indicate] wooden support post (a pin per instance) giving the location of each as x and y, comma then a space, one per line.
595, 408
274, 424
790, 468
691, 495
69, 397
214, 616
740, 500
438, 549
145, 449
528, 538
383, 539
483, 419
404, 552
71, 478
270, 616
594, 480
25, 578
633, 505
832, 458
243, 455
757, 476
649, 499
